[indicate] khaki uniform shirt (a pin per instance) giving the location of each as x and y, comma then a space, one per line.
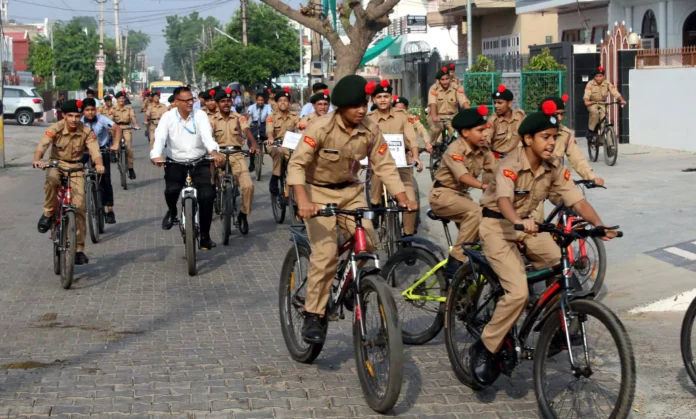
281, 124
595, 92
396, 123
419, 127
107, 111
447, 101
304, 122
273, 104
228, 130
328, 154
154, 113
146, 105
566, 145
210, 113
124, 116
461, 159
69, 147
514, 173
502, 134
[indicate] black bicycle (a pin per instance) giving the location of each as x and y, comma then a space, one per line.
440, 148
606, 136
567, 321
687, 345
376, 334
226, 193
94, 209
189, 226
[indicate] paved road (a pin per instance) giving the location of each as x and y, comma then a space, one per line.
137, 337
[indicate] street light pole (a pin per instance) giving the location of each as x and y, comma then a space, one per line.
100, 93
469, 35
301, 63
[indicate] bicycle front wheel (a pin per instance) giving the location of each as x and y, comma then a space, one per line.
190, 237
123, 167
101, 215
602, 382
593, 147
92, 211
611, 146
226, 212
379, 354
56, 251
68, 249
259, 163
278, 202
590, 263
687, 346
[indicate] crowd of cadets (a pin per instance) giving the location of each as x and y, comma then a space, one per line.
500, 154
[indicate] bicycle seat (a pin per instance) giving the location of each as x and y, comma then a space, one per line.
434, 217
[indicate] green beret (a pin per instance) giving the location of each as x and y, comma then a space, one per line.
156, 93
320, 96
558, 101
383, 87
171, 99
503, 93
352, 91
283, 93
441, 72
598, 70
539, 121
470, 118
120, 93
398, 100
222, 94
108, 97
71, 106
89, 102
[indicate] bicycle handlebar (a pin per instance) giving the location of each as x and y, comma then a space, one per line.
54, 165
589, 184
330, 210
587, 231
228, 151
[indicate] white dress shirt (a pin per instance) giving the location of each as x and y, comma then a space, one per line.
308, 108
186, 139
261, 116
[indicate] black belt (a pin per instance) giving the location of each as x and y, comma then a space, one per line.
334, 186
487, 213
124, 123
440, 185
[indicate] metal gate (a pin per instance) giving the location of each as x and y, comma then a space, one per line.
479, 87
535, 86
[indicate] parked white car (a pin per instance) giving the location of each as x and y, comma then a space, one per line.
22, 103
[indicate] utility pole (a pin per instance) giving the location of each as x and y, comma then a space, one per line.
125, 61
193, 69
100, 92
301, 63
117, 38
469, 35
244, 22
53, 71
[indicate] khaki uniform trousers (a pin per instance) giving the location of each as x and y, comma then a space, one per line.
460, 208
594, 115
436, 128
278, 154
128, 137
500, 248
77, 185
241, 174
376, 192
323, 240
152, 129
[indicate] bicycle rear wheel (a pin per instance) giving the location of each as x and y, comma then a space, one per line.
435, 158
190, 237
259, 163
416, 189
605, 373
379, 355
278, 202
68, 249
593, 147
420, 320
101, 215
611, 146
56, 250
226, 212
292, 292
92, 210
687, 346
217, 203
123, 167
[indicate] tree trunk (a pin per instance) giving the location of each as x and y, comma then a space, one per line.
347, 61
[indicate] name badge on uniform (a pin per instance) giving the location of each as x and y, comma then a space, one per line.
291, 140
330, 151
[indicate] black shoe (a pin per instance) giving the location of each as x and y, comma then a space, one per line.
273, 185
81, 259
169, 220
131, 174
110, 217
451, 267
45, 223
243, 223
482, 364
207, 244
313, 330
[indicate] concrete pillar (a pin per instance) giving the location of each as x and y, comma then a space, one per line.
662, 23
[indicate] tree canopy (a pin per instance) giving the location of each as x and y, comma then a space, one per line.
183, 35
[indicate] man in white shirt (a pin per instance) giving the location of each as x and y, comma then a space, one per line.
308, 108
187, 136
258, 113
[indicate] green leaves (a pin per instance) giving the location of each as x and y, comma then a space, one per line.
544, 62
183, 36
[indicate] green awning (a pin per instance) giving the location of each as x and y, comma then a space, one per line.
377, 49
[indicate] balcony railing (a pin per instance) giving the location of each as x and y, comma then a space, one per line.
666, 58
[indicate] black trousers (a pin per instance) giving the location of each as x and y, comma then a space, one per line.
107, 191
175, 179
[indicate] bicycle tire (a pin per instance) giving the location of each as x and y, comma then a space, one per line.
56, 251
601, 267
299, 350
278, 202
611, 146
416, 189
217, 203
91, 211
685, 341
190, 237
226, 212
101, 215
593, 147
68, 249
598, 311
393, 233
259, 164
123, 167
410, 335
379, 401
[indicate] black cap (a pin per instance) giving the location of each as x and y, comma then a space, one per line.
398, 100
539, 121
171, 99
352, 90
283, 93
120, 93
222, 94
72, 106
470, 118
503, 93
558, 101
442, 72
383, 87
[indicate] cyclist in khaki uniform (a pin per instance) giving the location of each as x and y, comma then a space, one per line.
147, 101
107, 109
533, 168
598, 90
323, 170
321, 103
502, 134
464, 161
68, 139
272, 99
278, 124
395, 121
154, 112
454, 79
402, 103
211, 106
444, 100
227, 128
124, 116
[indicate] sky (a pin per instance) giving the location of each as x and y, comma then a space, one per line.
144, 15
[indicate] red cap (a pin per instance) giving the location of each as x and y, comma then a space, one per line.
370, 87
123, 91
502, 88
384, 83
600, 68
482, 110
228, 90
326, 92
548, 107
287, 89
452, 66
212, 92
79, 103
395, 98
444, 69
564, 98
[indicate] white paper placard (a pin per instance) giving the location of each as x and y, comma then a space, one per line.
396, 148
291, 140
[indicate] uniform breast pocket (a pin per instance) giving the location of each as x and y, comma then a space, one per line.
62, 143
329, 156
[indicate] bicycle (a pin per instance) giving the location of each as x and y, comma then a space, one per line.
226, 193
123, 163
560, 316
686, 341
440, 148
94, 209
258, 157
353, 290
189, 226
63, 232
280, 202
605, 136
